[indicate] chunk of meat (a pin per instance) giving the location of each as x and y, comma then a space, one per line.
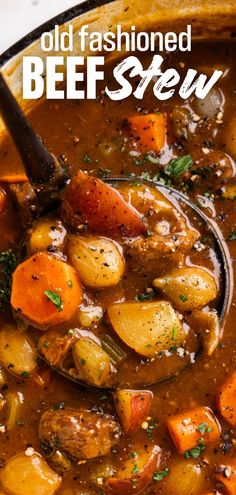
55, 346
26, 201
169, 235
79, 433
168, 247
207, 324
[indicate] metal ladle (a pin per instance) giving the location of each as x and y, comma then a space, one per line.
48, 178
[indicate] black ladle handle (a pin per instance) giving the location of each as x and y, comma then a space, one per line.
41, 167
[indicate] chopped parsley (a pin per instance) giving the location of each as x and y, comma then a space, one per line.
151, 427
204, 428
134, 454
183, 298
58, 407
8, 263
20, 422
88, 159
178, 166
104, 173
232, 236
55, 298
25, 374
135, 469
146, 296
195, 452
151, 159
174, 333
160, 475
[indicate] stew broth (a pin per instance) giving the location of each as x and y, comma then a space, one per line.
95, 136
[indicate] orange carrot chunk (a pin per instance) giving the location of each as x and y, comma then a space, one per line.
227, 400
226, 475
101, 207
45, 290
193, 429
150, 130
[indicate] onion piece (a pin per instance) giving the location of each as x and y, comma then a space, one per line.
185, 478
211, 104
92, 362
17, 352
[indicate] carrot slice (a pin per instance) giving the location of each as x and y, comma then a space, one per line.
227, 477
45, 290
150, 130
3, 200
101, 207
227, 400
12, 178
193, 429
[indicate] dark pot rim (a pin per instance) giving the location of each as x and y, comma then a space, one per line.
59, 19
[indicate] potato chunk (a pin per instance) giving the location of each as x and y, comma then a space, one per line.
27, 475
132, 407
17, 352
147, 328
136, 473
98, 260
188, 288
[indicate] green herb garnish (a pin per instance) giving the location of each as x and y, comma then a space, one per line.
135, 469
159, 475
232, 236
25, 374
151, 159
133, 455
58, 407
174, 333
151, 427
55, 298
104, 173
204, 428
195, 452
178, 166
8, 263
146, 296
183, 298
88, 159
